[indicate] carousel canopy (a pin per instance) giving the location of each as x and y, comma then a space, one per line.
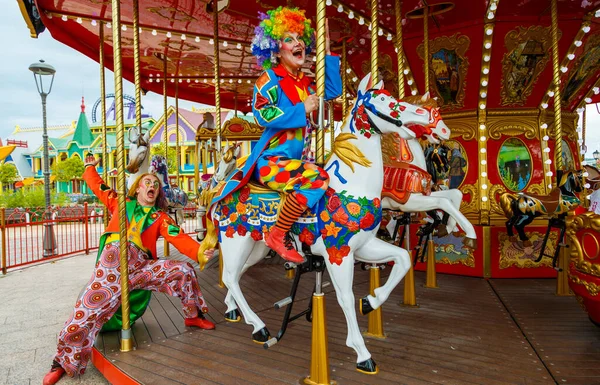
497, 53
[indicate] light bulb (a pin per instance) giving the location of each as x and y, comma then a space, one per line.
551, 93
548, 161
484, 186
483, 139
549, 173
586, 29
484, 174
484, 199
486, 58
544, 125
94, 23
563, 69
483, 150
490, 15
596, 90
413, 92
64, 18
484, 162
571, 56
169, 34
546, 138
154, 33
211, 42
328, 2
489, 31
183, 37
361, 21
80, 21
340, 8
577, 43
409, 82
405, 72
547, 149
544, 105
484, 83
483, 95
482, 126
350, 15
493, 7
486, 71
482, 106
488, 45
588, 100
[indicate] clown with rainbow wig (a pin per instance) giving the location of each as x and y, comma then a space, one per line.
283, 99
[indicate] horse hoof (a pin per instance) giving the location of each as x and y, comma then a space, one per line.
470, 243
365, 306
261, 336
367, 367
233, 316
442, 231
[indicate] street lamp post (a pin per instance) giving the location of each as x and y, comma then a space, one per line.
597, 157
43, 71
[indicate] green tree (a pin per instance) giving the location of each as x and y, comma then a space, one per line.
32, 197
68, 169
8, 173
159, 149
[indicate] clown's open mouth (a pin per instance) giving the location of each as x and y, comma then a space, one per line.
298, 53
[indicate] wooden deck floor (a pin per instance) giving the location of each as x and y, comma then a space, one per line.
469, 331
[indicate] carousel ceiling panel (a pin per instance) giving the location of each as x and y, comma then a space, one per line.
182, 31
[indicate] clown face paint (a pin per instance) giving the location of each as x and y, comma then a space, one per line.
292, 52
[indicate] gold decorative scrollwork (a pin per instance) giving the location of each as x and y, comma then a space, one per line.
591, 287
537, 189
515, 126
568, 130
515, 254
471, 206
527, 53
448, 69
468, 261
589, 221
495, 193
390, 147
248, 131
461, 127
587, 65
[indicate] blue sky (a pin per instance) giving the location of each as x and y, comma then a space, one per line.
77, 75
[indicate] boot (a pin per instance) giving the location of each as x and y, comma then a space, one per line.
54, 375
278, 239
199, 322
282, 245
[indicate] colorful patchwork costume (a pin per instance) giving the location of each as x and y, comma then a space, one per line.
101, 297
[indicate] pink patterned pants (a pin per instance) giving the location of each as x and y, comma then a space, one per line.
102, 296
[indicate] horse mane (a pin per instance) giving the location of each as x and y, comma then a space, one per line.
348, 152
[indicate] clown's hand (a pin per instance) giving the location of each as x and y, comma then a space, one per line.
205, 256
90, 160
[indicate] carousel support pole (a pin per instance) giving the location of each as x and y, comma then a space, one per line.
375, 328
319, 352
126, 335
562, 279
426, 45
217, 111
166, 127
400, 56
105, 164
410, 297
586, 191
177, 150
431, 278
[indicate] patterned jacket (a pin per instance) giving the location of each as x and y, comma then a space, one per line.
157, 222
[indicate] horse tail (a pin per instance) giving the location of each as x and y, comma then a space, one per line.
506, 201
209, 242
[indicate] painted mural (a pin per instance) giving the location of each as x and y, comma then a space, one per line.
586, 65
448, 69
527, 53
515, 254
450, 250
514, 164
567, 157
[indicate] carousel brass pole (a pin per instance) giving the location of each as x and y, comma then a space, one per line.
400, 57
586, 191
562, 279
126, 338
217, 78
105, 163
166, 126
331, 125
344, 80
375, 327
426, 45
178, 155
431, 279
319, 351
136, 65
217, 112
410, 297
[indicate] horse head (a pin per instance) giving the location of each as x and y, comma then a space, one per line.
570, 182
138, 149
376, 111
228, 161
435, 130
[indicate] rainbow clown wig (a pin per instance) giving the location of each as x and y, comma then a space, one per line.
269, 32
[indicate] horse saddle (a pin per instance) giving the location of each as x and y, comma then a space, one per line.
550, 201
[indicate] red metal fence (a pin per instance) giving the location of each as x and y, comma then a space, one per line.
34, 235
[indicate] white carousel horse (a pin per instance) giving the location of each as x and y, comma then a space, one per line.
176, 197
415, 164
208, 182
356, 175
139, 149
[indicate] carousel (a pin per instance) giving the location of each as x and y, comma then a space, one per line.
504, 85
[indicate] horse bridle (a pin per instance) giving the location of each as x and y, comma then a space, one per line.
369, 107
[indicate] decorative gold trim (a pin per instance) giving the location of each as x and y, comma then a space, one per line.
499, 126
537, 188
471, 206
251, 131
513, 40
591, 287
459, 44
461, 127
592, 44
495, 193
468, 261
588, 268
568, 129
585, 221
